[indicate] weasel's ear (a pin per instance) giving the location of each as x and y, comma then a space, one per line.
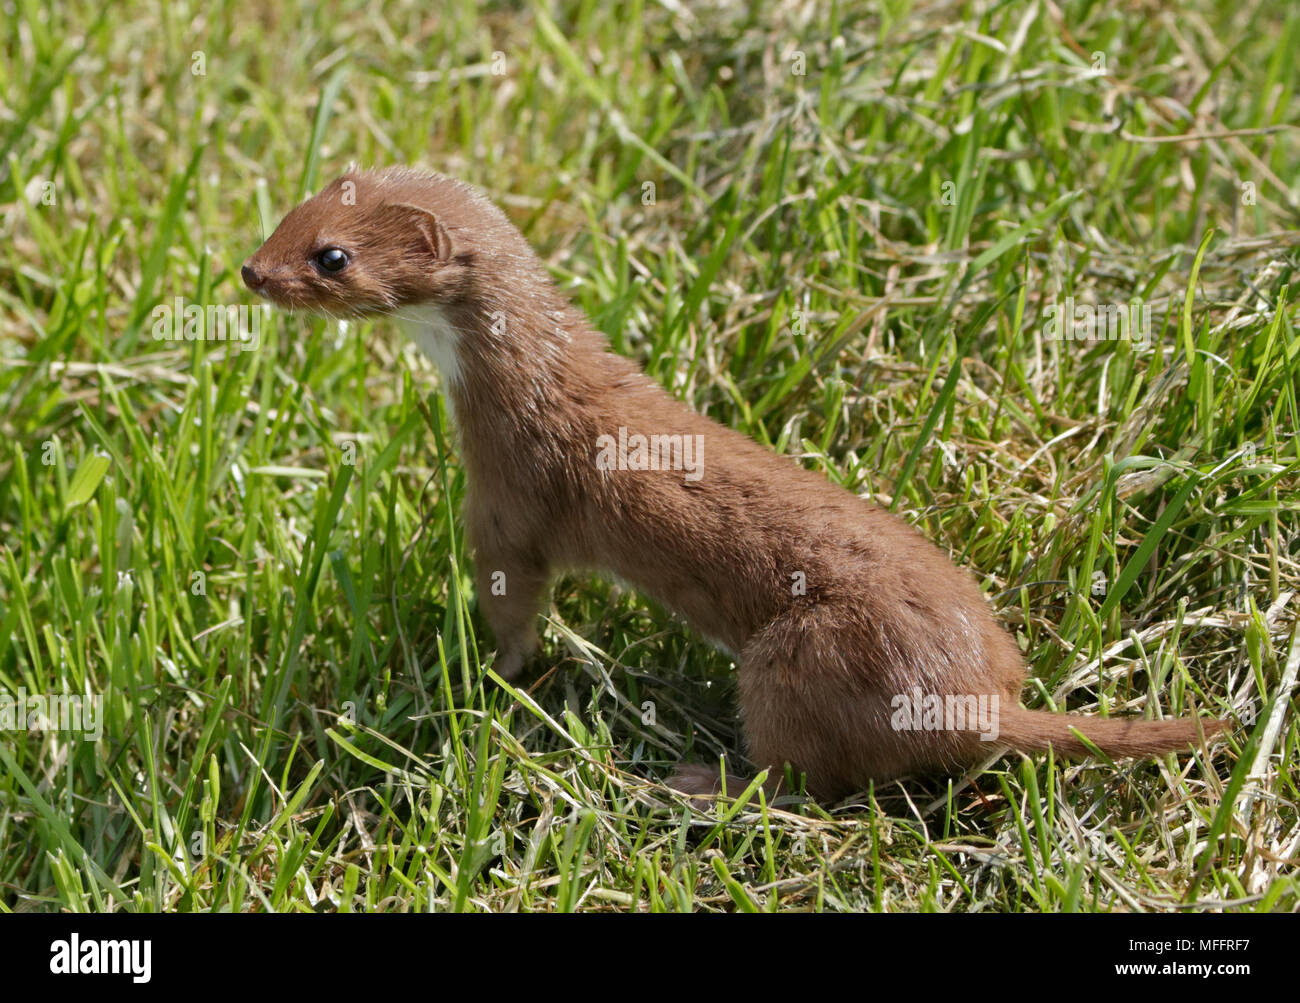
433, 236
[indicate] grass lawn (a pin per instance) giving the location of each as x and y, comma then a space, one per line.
846, 230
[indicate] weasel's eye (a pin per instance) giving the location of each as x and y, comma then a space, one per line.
332, 259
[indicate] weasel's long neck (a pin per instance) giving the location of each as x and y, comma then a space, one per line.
520, 370
433, 331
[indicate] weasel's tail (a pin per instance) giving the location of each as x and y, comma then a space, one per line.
1035, 730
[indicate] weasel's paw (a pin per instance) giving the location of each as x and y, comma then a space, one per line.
703, 783
509, 664
515, 649
696, 778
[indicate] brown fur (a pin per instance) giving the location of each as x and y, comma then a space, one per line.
533, 386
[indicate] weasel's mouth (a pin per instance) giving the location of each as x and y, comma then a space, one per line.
272, 291
291, 302
284, 300
273, 296
293, 295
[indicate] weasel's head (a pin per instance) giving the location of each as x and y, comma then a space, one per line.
373, 242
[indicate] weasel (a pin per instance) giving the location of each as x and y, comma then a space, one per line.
864, 653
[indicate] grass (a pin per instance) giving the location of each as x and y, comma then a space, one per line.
253, 556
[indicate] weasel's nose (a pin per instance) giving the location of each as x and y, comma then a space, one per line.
251, 278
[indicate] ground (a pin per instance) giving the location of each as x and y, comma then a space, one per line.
852, 232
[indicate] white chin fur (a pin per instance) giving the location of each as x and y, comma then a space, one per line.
428, 327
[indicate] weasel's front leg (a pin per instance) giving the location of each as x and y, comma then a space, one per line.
509, 594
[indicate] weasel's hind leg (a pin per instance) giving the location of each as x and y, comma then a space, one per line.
796, 710
817, 687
